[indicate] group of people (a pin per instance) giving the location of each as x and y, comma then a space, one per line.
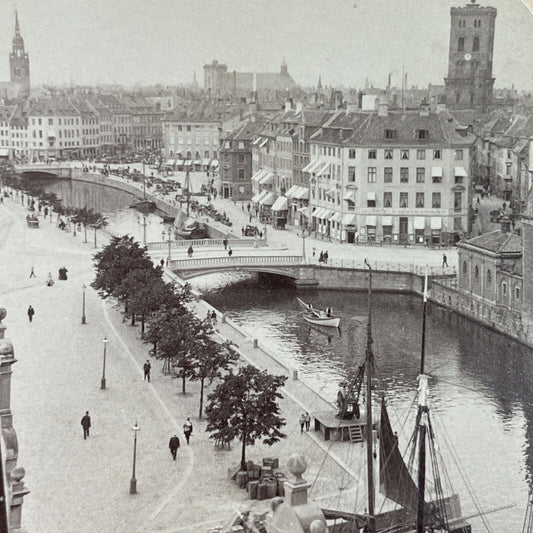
211, 317
323, 257
305, 422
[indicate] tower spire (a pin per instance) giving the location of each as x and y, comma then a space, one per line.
17, 28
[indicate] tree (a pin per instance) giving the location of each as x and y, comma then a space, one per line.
245, 405
209, 358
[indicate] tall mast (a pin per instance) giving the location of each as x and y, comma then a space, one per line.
369, 364
423, 419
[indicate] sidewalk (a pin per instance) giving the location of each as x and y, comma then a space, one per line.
82, 486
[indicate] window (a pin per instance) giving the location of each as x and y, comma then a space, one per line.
476, 272
435, 200
372, 154
461, 44
351, 153
241, 145
457, 224
371, 202
517, 293
458, 179
404, 175
388, 154
419, 199
465, 267
391, 134
351, 174
421, 154
241, 158
206, 154
387, 177
458, 155
50, 121
372, 174
475, 45
387, 199
241, 173
404, 199
188, 128
504, 288
404, 154
457, 200
489, 277
422, 134
420, 175
457, 97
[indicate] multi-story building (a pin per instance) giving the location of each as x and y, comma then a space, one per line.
235, 160
393, 177
18, 123
147, 133
469, 82
121, 119
90, 128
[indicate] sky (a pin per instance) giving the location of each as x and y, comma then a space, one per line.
131, 42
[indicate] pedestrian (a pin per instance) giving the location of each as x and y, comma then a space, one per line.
225, 243
230, 252
50, 281
208, 317
444, 261
187, 429
174, 444
213, 317
162, 263
250, 217
32, 273
321, 257
31, 312
477, 201
307, 421
314, 251
302, 423
147, 367
504, 205
326, 256
86, 424
242, 206
190, 251
242, 231
248, 207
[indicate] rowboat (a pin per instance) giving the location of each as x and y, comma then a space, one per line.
317, 316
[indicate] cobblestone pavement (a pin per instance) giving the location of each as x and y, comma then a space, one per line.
83, 486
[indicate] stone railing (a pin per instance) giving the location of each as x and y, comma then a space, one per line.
248, 260
206, 243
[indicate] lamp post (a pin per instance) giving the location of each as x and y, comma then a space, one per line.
83, 287
102, 382
133, 481
304, 236
144, 182
169, 240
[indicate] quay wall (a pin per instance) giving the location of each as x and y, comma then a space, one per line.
172, 210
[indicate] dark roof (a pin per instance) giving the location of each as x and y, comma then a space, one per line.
245, 132
498, 242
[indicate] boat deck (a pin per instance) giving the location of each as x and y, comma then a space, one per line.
339, 429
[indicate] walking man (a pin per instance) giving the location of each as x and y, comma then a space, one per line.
230, 252
225, 243
147, 366
31, 312
307, 421
32, 273
190, 251
174, 444
86, 424
213, 316
302, 423
187, 429
444, 261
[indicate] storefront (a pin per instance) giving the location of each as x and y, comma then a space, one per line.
386, 223
436, 230
350, 228
419, 225
371, 228
265, 204
279, 212
321, 221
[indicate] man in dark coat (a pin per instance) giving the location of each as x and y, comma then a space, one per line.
174, 444
146, 367
86, 424
31, 312
187, 429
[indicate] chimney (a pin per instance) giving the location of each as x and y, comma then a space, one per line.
505, 224
383, 109
424, 108
299, 106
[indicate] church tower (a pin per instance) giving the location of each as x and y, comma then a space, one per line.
469, 83
19, 62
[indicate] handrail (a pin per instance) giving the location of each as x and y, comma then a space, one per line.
263, 260
204, 243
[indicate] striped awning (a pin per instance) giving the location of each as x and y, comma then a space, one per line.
206, 162
370, 220
291, 191
266, 179
197, 162
349, 220
280, 204
337, 217
268, 199
323, 170
436, 223
350, 197
257, 141
179, 162
460, 172
419, 223
258, 175
265, 141
302, 193
386, 221
436, 172
187, 163
259, 196
214, 163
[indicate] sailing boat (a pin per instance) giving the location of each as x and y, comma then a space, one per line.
415, 513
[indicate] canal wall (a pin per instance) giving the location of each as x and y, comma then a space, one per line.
172, 210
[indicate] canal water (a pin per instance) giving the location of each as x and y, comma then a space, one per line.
481, 382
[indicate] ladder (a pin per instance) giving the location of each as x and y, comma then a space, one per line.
356, 434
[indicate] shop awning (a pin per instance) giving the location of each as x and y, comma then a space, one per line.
303, 210
302, 193
337, 217
349, 220
330, 192
323, 170
317, 212
257, 141
460, 172
436, 172
436, 223
265, 141
419, 223
291, 191
371, 195
4, 152
386, 221
326, 213
170, 161
179, 162
206, 162
312, 166
187, 163
214, 163
258, 175
259, 196
267, 179
370, 220
280, 204
350, 197
268, 199
197, 162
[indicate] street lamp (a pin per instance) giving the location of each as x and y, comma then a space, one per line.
83, 287
169, 240
133, 481
304, 236
102, 382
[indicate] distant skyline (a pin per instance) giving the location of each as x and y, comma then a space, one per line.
344, 41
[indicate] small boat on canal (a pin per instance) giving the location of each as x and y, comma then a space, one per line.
318, 317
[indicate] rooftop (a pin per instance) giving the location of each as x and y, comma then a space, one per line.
497, 242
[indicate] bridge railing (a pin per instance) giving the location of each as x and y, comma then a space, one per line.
206, 243
247, 260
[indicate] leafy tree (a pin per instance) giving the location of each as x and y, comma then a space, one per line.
209, 359
245, 405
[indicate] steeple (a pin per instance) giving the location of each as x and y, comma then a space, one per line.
319, 86
19, 62
17, 28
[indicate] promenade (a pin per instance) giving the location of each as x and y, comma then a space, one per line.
82, 486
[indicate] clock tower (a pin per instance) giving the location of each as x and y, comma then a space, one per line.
19, 62
469, 82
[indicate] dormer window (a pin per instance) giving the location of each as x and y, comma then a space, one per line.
391, 134
422, 134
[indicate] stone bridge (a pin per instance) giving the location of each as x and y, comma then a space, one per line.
54, 170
